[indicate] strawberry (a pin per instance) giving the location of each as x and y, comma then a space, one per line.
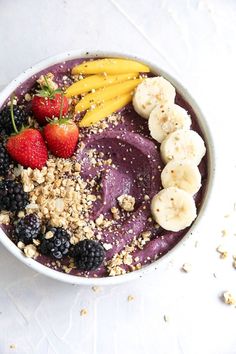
27, 146
47, 103
61, 137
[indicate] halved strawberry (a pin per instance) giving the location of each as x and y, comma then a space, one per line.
48, 102
61, 137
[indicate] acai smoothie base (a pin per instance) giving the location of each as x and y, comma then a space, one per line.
105, 190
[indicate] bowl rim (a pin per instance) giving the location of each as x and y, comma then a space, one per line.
73, 279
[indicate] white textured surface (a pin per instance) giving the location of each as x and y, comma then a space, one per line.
194, 40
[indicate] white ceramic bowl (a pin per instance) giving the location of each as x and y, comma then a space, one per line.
11, 247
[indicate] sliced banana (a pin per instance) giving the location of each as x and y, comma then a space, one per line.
152, 91
183, 145
183, 175
173, 209
166, 119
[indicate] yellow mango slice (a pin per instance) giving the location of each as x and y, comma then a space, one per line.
106, 94
95, 82
104, 110
110, 66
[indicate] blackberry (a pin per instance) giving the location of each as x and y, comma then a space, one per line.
12, 196
6, 122
88, 255
5, 161
57, 244
27, 228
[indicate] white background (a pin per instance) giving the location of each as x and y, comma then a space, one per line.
195, 41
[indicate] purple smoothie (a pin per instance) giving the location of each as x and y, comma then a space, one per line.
136, 171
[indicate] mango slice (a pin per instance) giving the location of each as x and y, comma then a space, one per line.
106, 94
97, 81
104, 110
110, 66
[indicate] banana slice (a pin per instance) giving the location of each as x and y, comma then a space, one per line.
173, 209
183, 175
166, 119
152, 91
183, 145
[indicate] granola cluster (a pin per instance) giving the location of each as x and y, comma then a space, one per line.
62, 198
58, 193
126, 202
124, 260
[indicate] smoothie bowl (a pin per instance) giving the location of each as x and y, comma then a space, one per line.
106, 166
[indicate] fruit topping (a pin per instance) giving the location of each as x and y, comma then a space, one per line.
120, 85
27, 146
5, 161
6, 122
173, 209
183, 145
47, 103
110, 66
88, 255
55, 242
151, 92
106, 94
181, 174
94, 82
104, 110
61, 136
12, 196
166, 119
28, 228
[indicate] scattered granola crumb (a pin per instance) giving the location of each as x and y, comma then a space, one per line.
130, 298
14, 101
96, 289
20, 245
28, 97
99, 221
128, 259
36, 242
107, 246
224, 233
126, 202
234, 264
49, 76
166, 318
228, 298
30, 251
49, 235
83, 312
21, 214
74, 240
4, 217
186, 267
143, 239
226, 215
223, 253
77, 167
115, 213
66, 269
12, 346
